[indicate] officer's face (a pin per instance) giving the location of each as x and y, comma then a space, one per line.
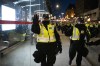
46, 19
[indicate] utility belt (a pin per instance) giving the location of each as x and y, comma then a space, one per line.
75, 41
78, 40
46, 42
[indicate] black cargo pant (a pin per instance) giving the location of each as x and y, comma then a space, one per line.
48, 53
76, 46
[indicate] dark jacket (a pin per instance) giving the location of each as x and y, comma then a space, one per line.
81, 28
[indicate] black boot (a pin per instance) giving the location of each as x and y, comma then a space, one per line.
43, 64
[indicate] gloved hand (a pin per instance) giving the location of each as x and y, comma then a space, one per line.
37, 56
90, 43
35, 19
60, 49
59, 46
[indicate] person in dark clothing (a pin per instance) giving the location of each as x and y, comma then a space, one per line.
62, 28
67, 30
77, 43
92, 30
48, 41
83, 31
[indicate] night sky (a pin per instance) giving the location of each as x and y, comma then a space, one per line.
63, 6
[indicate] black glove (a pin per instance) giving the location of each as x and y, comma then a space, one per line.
60, 49
90, 43
35, 19
59, 46
37, 56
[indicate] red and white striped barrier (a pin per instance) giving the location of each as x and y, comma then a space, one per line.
14, 22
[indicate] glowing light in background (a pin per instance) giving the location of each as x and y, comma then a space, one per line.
8, 14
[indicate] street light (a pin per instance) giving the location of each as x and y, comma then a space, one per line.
59, 16
62, 14
57, 6
43, 5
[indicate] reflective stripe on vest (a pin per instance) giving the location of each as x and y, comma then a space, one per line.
88, 31
46, 35
96, 25
76, 34
87, 25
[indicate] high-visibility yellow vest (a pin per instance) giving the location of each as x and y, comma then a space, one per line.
91, 25
87, 25
68, 24
76, 34
46, 35
96, 25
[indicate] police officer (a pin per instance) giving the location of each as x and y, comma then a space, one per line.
88, 35
77, 43
48, 41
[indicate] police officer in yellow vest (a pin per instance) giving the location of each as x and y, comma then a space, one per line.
88, 32
77, 43
48, 41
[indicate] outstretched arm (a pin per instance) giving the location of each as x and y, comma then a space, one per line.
58, 41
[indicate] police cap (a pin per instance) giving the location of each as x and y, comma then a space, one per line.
46, 16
